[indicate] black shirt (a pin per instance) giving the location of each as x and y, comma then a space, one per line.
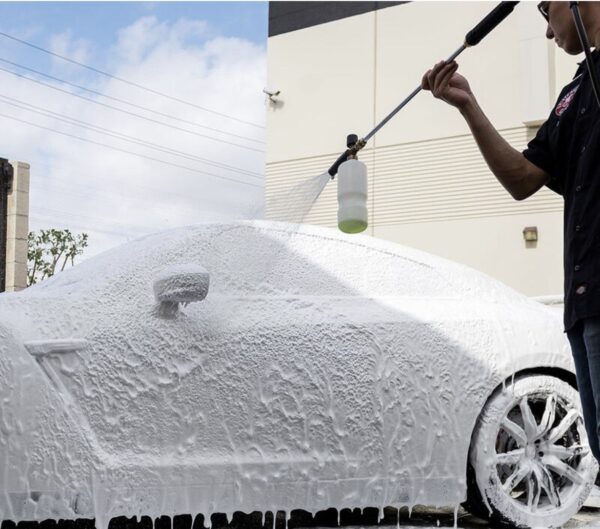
567, 147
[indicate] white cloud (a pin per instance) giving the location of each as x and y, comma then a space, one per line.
120, 195
64, 44
148, 33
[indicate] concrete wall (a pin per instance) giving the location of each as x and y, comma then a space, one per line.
429, 186
17, 229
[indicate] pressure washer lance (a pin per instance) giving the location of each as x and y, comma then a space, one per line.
352, 177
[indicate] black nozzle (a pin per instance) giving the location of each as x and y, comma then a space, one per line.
336, 165
351, 141
497, 15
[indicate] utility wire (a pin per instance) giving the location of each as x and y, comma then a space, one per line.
124, 101
131, 83
125, 137
130, 152
70, 184
127, 112
68, 188
107, 221
63, 187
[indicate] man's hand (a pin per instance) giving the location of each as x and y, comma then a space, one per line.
519, 176
445, 84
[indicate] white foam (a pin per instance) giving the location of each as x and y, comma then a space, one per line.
321, 370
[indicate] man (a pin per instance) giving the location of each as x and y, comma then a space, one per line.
565, 156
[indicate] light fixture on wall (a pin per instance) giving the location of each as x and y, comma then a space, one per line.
530, 234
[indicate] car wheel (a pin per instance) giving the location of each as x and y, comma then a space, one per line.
530, 464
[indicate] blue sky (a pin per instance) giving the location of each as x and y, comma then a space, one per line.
212, 54
99, 21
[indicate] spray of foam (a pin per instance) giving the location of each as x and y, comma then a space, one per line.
294, 204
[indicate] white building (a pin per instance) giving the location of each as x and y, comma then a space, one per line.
13, 263
341, 67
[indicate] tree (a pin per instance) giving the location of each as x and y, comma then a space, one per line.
50, 251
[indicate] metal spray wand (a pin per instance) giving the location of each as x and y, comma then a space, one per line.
497, 15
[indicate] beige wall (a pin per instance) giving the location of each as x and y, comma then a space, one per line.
494, 245
326, 75
17, 229
429, 186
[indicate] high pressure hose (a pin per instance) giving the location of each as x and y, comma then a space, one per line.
473, 37
586, 48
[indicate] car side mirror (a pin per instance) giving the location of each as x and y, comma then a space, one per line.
180, 284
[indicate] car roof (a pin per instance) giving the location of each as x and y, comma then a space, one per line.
244, 242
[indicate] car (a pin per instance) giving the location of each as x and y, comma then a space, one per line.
263, 366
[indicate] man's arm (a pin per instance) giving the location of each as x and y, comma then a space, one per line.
517, 174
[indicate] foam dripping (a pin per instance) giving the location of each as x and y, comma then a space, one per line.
419, 456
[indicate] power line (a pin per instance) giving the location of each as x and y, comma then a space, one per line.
131, 83
72, 192
124, 101
125, 137
64, 187
68, 188
130, 152
37, 81
70, 185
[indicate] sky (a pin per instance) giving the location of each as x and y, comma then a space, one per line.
198, 155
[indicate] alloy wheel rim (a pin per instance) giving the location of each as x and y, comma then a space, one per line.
539, 453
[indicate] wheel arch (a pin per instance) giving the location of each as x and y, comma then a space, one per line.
563, 374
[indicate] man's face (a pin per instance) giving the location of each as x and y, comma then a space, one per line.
561, 27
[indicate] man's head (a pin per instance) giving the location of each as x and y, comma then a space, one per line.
561, 26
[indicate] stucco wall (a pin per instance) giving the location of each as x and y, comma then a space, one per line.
429, 186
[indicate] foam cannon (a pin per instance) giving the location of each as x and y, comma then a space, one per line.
352, 173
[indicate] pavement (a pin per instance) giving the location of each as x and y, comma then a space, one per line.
429, 518
419, 518
587, 518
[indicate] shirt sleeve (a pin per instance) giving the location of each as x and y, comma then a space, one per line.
540, 153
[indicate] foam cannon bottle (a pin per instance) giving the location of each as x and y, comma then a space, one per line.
352, 174
352, 192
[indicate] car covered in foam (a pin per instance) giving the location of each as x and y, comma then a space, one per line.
264, 366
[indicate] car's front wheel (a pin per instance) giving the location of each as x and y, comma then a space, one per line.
530, 464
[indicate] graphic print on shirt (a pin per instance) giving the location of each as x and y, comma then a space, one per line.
565, 101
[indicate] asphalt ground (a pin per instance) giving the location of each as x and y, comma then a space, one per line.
419, 518
427, 518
